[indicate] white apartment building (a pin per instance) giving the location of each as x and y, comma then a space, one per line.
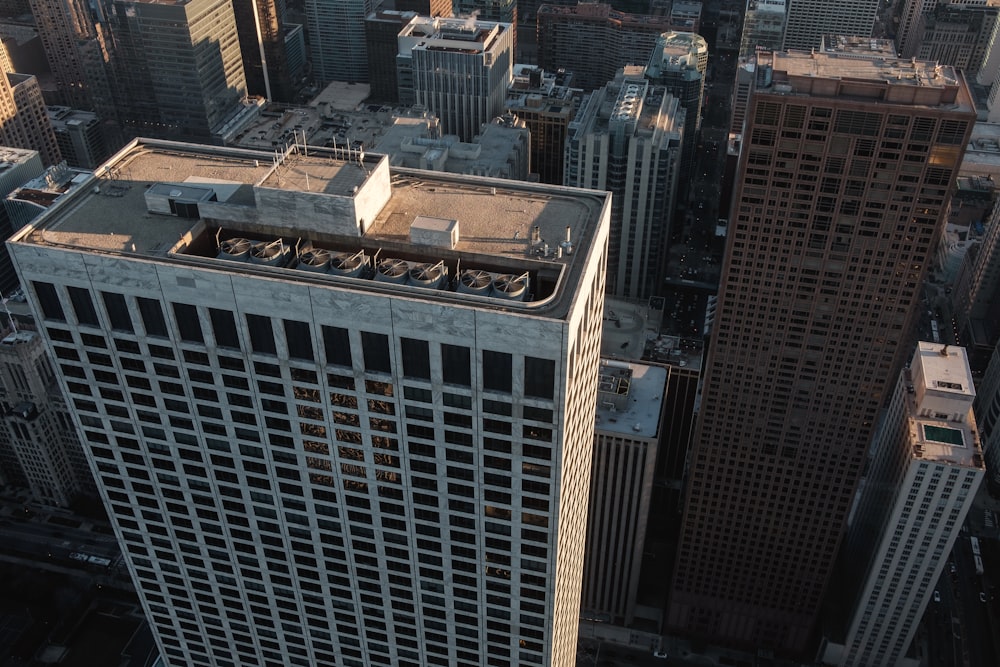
926, 467
459, 69
339, 415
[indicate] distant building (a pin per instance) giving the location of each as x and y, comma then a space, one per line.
987, 409
24, 121
382, 44
432, 8
630, 416
627, 139
909, 32
80, 137
458, 69
763, 26
39, 446
260, 25
35, 196
808, 20
678, 63
594, 41
926, 467
336, 30
547, 102
17, 167
963, 36
180, 67
497, 151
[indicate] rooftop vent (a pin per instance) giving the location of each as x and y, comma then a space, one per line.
315, 259
269, 253
392, 270
350, 264
511, 287
236, 249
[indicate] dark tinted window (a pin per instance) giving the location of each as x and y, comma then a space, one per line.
416, 358
48, 299
299, 340
337, 344
261, 334
375, 347
117, 311
497, 368
188, 323
152, 317
224, 328
83, 305
456, 364
539, 377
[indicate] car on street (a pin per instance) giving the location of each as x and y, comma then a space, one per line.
660, 654
937, 596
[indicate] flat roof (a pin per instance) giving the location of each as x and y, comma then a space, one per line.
639, 417
509, 227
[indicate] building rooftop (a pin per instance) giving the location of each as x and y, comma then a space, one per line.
11, 157
936, 432
630, 398
46, 189
194, 204
866, 76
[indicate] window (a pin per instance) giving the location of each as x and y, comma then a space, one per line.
188, 323
456, 365
539, 377
375, 347
416, 358
117, 311
337, 344
261, 334
48, 299
152, 317
83, 305
497, 371
299, 340
224, 328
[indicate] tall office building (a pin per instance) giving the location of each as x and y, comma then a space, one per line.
426, 7
80, 137
17, 167
843, 183
382, 44
24, 120
963, 36
809, 20
630, 418
336, 31
678, 63
626, 139
497, 11
763, 26
910, 32
594, 41
458, 69
39, 446
320, 440
179, 67
260, 25
926, 467
547, 103
987, 409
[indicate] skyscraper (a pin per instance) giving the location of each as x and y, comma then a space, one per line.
382, 44
763, 26
336, 30
547, 103
926, 467
261, 28
843, 183
809, 20
178, 66
24, 121
910, 25
459, 69
963, 36
321, 440
626, 139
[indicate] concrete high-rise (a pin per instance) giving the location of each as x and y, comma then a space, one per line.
80, 137
842, 186
594, 41
809, 20
336, 31
627, 139
458, 69
382, 44
24, 120
963, 36
630, 420
178, 67
987, 409
926, 467
17, 167
337, 414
